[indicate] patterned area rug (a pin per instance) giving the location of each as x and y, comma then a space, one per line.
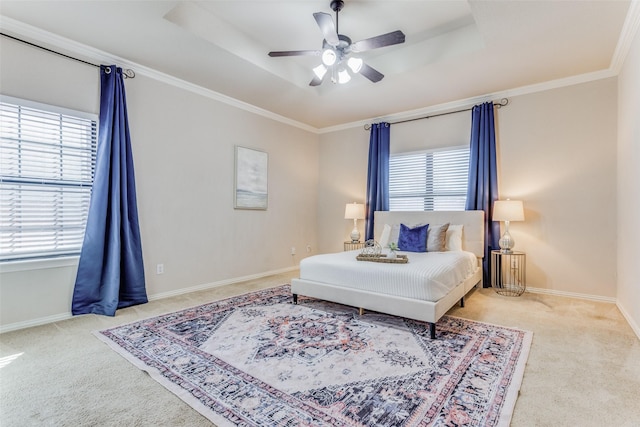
259, 360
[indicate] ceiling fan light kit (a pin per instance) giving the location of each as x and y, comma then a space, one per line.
355, 64
337, 50
343, 76
320, 71
328, 57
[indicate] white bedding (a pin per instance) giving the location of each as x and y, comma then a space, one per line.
428, 276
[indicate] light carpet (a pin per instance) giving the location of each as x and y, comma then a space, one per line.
259, 360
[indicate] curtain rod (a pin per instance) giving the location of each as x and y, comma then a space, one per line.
503, 102
127, 73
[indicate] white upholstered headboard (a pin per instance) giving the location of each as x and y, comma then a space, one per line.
472, 221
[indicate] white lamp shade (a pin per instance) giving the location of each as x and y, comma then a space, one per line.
320, 71
355, 64
508, 210
343, 76
354, 211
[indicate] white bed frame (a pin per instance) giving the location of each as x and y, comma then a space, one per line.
472, 241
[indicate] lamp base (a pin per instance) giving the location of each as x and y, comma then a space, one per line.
355, 234
506, 243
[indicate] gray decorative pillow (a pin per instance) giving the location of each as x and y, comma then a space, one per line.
436, 237
394, 234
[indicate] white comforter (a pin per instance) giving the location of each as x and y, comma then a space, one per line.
427, 276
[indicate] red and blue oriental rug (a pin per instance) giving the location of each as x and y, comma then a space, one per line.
259, 360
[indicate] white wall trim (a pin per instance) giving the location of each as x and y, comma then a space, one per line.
576, 295
634, 326
216, 96
35, 322
38, 264
95, 55
629, 29
65, 316
469, 102
37, 34
217, 284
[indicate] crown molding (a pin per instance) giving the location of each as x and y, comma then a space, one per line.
90, 54
630, 28
37, 35
628, 33
468, 102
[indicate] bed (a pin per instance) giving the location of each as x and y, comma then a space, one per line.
401, 289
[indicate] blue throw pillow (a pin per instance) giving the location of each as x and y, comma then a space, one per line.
413, 239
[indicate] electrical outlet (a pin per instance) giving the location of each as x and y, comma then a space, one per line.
160, 269
293, 250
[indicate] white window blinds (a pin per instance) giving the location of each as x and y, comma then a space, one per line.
47, 161
429, 181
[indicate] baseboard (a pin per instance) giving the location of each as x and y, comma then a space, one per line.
634, 326
218, 284
35, 322
629, 319
590, 297
64, 316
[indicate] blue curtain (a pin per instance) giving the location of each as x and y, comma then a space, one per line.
483, 178
111, 272
378, 174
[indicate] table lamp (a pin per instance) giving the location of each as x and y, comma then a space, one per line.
354, 211
507, 210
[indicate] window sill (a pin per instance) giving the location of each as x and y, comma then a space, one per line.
38, 264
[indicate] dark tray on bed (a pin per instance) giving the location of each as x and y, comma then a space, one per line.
400, 259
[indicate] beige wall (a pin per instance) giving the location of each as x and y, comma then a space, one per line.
556, 153
342, 180
183, 147
629, 186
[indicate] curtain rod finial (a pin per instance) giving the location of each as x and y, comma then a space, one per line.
502, 103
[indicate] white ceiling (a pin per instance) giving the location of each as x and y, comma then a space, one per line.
454, 49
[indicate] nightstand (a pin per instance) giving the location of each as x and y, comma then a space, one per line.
351, 246
508, 272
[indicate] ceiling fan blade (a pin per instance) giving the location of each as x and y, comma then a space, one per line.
316, 81
371, 73
295, 53
325, 22
395, 37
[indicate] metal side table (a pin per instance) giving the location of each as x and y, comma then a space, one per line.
508, 272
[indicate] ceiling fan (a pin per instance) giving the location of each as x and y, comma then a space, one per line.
338, 51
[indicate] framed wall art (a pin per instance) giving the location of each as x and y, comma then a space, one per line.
251, 177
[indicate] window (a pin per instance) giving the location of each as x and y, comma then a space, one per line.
429, 181
47, 161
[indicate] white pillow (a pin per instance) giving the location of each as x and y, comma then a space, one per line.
453, 241
394, 235
384, 237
